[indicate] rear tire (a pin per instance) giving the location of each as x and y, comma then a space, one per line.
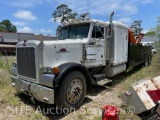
146, 61
150, 59
72, 91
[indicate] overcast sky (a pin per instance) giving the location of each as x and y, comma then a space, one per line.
35, 16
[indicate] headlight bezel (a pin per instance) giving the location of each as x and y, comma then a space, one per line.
50, 70
47, 70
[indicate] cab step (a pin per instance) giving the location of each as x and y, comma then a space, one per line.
101, 79
104, 82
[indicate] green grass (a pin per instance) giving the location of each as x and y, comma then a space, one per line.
98, 117
11, 105
135, 74
11, 100
144, 72
6, 62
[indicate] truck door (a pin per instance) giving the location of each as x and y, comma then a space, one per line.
95, 52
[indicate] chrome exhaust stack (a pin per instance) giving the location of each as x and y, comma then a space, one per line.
110, 24
111, 18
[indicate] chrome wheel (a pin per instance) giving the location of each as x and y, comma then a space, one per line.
74, 91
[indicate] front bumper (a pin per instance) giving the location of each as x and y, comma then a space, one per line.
39, 92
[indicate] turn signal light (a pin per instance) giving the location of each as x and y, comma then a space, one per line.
55, 70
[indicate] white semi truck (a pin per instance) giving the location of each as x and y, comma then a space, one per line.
87, 53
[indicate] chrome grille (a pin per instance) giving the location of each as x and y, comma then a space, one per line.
26, 62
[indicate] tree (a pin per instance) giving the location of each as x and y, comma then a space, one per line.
151, 32
1, 28
136, 27
157, 30
84, 15
6, 25
63, 13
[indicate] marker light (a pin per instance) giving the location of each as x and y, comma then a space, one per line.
55, 70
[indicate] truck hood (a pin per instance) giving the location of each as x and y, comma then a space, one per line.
62, 51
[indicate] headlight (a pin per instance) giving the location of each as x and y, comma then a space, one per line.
47, 70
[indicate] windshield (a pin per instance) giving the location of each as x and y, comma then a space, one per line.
74, 31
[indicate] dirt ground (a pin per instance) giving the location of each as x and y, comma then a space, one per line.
92, 107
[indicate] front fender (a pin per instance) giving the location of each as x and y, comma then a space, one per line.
69, 67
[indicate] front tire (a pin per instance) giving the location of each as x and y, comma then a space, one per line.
72, 91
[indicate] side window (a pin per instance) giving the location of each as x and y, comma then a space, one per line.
98, 32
